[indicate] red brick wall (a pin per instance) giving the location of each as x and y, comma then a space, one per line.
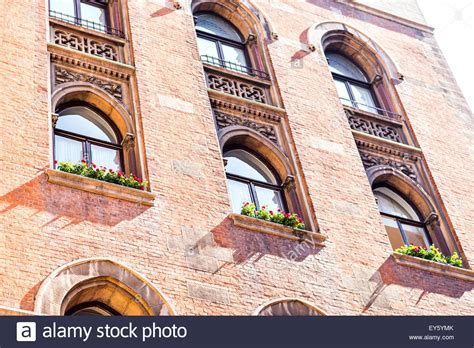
184, 244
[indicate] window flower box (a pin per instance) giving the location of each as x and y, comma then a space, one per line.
280, 223
96, 186
432, 254
433, 267
267, 227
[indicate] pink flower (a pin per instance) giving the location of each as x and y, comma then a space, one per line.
142, 188
83, 160
55, 162
270, 212
94, 166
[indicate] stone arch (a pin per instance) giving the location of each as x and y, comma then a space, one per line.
89, 94
289, 306
386, 175
246, 16
356, 45
102, 280
243, 136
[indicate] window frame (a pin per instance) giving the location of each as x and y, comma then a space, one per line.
252, 183
368, 86
78, 15
218, 40
88, 141
401, 220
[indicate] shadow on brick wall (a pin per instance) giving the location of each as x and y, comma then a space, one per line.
391, 273
62, 202
253, 245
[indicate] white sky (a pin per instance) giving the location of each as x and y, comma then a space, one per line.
453, 21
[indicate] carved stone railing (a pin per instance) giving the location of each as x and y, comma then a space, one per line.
87, 41
237, 84
390, 128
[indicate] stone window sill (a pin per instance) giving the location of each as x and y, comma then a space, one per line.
100, 187
267, 227
434, 267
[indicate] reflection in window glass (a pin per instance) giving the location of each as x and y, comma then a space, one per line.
67, 150
393, 232
93, 13
244, 164
416, 235
341, 65
207, 48
63, 6
392, 203
84, 121
363, 96
102, 156
215, 25
239, 194
234, 55
269, 198
343, 93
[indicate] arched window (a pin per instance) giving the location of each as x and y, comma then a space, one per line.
401, 220
220, 43
352, 84
82, 133
249, 179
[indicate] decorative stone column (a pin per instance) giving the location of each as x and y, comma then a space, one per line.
434, 228
289, 187
128, 145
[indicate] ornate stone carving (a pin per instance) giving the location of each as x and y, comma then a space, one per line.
85, 44
405, 168
128, 142
63, 75
225, 120
374, 128
235, 87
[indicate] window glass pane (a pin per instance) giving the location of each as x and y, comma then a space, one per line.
208, 48
83, 121
341, 65
416, 235
63, 6
393, 232
343, 93
242, 163
391, 203
216, 25
234, 55
239, 194
67, 150
106, 157
363, 96
270, 198
94, 14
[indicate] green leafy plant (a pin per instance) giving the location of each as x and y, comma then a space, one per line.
432, 254
280, 217
101, 173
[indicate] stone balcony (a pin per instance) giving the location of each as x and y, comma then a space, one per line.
386, 125
95, 39
237, 80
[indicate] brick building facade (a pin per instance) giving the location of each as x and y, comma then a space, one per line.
185, 88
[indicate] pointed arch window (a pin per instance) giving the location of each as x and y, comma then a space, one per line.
352, 84
220, 43
83, 133
250, 179
401, 219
